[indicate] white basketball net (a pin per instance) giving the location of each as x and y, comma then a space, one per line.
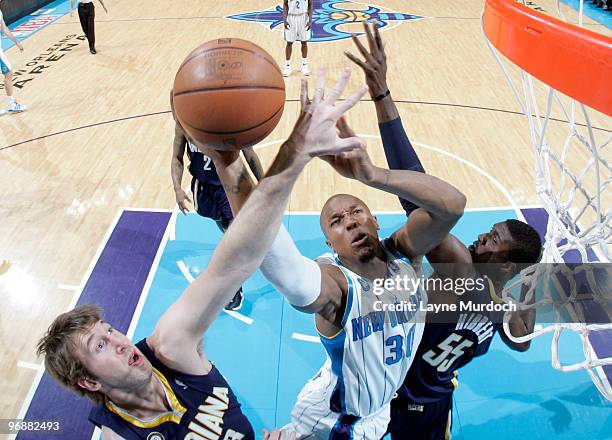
572, 179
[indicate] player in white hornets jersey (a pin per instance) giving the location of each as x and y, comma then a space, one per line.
369, 352
369, 358
297, 16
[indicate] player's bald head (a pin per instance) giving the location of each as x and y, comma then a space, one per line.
336, 203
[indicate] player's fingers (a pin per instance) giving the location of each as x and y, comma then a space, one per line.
183, 207
328, 159
354, 153
320, 87
377, 38
344, 128
266, 434
188, 198
357, 61
339, 87
362, 49
304, 99
342, 145
370, 36
351, 146
350, 102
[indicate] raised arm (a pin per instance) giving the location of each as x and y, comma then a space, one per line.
399, 152
441, 204
177, 166
244, 245
103, 6
6, 31
254, 163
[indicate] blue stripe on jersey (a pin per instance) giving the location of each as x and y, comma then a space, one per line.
3, 67
335, 348
343, 429
349, 299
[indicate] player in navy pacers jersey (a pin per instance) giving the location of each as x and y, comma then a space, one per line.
209, 196
422, 409
164, 387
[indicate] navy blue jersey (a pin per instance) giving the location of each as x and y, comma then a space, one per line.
202, 407
447, 346
201, 166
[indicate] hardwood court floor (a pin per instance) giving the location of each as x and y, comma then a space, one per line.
98, 136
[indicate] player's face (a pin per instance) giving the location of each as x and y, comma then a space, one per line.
492, 246
112, 359
350, 228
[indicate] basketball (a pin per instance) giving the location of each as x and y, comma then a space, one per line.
228, 94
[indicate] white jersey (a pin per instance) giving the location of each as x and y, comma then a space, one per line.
371, 355
298, 7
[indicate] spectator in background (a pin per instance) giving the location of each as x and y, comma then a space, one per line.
87, 14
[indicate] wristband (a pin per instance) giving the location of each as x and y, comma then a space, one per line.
381, 97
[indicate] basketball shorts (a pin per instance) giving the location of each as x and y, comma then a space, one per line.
312, 418
210, 201
429, 421
297, 28
5, 66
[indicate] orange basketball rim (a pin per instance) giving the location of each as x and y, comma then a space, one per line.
573, 60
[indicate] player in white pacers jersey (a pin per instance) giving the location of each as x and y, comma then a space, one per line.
369, 349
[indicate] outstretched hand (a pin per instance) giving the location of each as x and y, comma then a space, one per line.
374, 64
314, 133
355, 164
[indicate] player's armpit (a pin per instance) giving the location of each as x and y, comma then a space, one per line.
422, 233
331, 303
179, 354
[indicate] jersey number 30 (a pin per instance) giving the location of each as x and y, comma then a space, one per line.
395, 345
450, 352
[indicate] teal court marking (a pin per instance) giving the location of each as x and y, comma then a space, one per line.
269, 354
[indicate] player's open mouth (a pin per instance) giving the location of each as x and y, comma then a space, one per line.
359, 239
135, 359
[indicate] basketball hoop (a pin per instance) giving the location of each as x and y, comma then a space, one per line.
563, 70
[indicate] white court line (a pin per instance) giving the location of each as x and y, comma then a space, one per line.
147, 286
31, 366
185, 271
28, 399
68, 287
172, 225
307, 338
